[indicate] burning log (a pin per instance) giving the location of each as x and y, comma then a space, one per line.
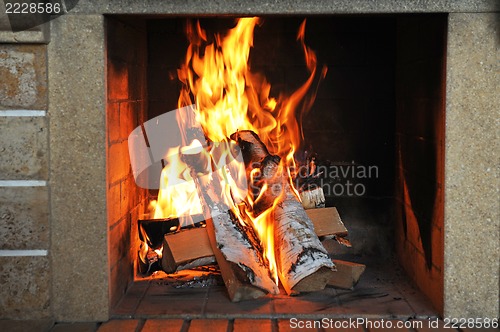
302, 261
240, 261
347, 275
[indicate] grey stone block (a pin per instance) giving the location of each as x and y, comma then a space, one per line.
32, 32
472, 214
257, 7
24, 288
24, 218
37, 34
24, 148
78, 169
23, 76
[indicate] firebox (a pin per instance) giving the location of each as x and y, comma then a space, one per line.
375, 131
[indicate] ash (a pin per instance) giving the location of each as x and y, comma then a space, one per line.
201, 277
202, 282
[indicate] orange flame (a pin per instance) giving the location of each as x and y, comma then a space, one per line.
229, 97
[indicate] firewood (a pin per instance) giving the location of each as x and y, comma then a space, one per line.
302, 261
186, 249
313, 198
347, 275
244, 274
300, 254
314, 282
327, 222
242, 266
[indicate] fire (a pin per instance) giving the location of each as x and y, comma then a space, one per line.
177, 196
228, 97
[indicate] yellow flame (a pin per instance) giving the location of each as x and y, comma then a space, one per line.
177, 195
229, 97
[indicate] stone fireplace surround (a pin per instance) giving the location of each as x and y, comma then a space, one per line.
57, 179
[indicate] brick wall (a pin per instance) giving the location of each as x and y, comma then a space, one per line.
126, 109
420, 150
24, 162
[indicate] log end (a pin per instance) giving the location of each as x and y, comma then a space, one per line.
186, 249
252, 148
167, 260
313, 198
347, 275
314, 282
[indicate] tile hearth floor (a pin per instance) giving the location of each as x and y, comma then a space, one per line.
382, 292
150, 306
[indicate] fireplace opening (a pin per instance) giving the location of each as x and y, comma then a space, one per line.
375, 129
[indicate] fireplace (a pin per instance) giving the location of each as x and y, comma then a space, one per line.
391, 89
380, 108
